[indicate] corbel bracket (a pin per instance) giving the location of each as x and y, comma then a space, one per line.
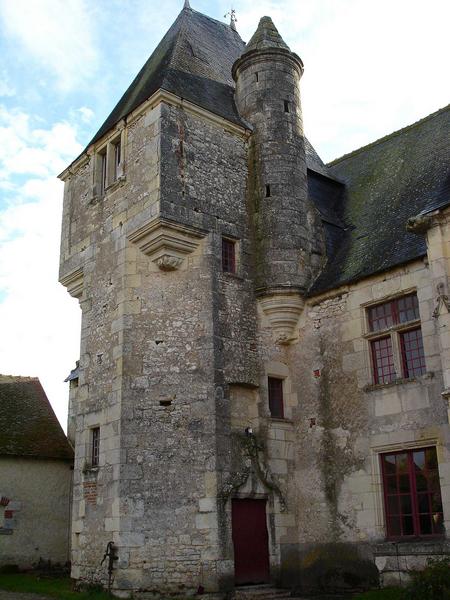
167, 243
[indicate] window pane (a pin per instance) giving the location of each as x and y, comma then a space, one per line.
383, 360
421, 482
408, 308
228, 256
423, 503
404, 483
407, 526
402, 463
380, 317
412, 353
389, 464
425, 525
406, 504
419, 460
276, 397
393, 506
394, 528
391, 483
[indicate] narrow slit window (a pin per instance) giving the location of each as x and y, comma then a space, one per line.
286, 106
117, 160
228, 256
102, 172
95, 446
257, 76
275, 386
267, 190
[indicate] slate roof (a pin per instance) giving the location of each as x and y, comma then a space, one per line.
28, 425
387, 182
193, 61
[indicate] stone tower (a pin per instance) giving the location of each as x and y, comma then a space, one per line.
187, 208
288, 233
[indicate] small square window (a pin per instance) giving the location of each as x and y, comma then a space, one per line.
95, 446
275, 386
228, 256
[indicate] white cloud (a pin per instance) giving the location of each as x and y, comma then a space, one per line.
59, 36
40, 322
86, 114
370, 67
30, 150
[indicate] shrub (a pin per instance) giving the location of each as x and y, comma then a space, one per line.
433, 583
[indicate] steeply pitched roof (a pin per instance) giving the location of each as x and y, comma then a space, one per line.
266, 36
193, 61
28, 425
388, 182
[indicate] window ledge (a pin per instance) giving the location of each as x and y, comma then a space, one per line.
420, 545
373, 387
279, 421
115, 184
231, 276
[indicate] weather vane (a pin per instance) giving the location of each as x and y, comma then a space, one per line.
232, 15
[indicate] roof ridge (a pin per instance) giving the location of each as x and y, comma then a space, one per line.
8, 378
388, 136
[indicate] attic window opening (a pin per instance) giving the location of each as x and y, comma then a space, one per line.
117, 159
286, 106
267, 190
103, 171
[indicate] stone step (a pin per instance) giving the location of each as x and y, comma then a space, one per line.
260, 592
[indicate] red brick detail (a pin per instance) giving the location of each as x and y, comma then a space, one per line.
9, 514
90, 492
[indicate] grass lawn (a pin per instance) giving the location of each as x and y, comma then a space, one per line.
60, 588
384, 594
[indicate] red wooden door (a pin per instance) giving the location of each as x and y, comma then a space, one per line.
250, 541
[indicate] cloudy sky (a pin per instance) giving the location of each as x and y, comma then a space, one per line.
371, 67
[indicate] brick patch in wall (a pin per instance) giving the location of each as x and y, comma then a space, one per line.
90, 492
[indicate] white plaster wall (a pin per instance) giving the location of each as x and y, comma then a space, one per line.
40, 490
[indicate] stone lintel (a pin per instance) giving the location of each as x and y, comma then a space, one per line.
283, 310
74, 282
167, 243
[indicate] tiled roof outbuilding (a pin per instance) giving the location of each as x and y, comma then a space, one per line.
28, 425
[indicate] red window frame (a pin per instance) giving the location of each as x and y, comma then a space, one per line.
389, 319
95, 446
228, 256
383, 360
276, 402
412, 494
413, 357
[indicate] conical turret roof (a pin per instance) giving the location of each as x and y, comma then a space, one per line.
266, 36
